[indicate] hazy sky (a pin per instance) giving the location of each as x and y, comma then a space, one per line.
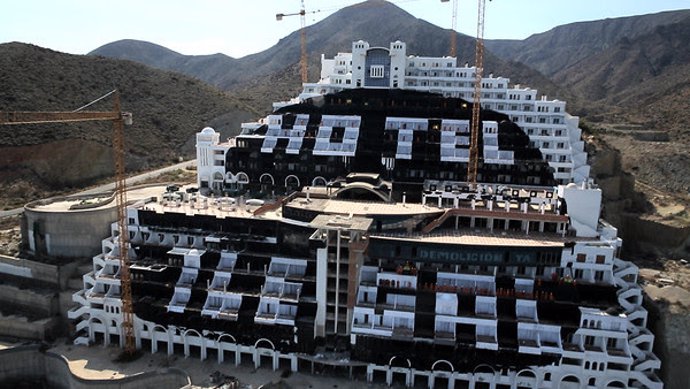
238, 28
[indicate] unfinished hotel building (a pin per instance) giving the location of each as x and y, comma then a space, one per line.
343, 224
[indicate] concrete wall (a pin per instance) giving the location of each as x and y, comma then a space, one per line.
28, 363
56, 275
69, 234
20, 327
660, 235
39, 302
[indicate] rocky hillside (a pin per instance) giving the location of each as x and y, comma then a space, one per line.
377, 21
631, 79
559, 48
168, 108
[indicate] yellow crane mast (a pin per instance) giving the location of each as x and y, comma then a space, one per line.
453, 51
302, 37
476, 106
119, 119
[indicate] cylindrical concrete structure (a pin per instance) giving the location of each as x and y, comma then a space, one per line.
68, 227
73, 227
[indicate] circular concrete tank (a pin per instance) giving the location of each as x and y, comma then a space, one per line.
73, 227
68, 227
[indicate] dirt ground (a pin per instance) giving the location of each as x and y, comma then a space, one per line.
99, 362
10, 235
670, 282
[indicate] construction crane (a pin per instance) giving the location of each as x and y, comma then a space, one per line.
476, 106
302, 38
453, 28
119, 119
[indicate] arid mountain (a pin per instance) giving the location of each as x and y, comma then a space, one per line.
623, 73
563, 46
376, 21
168, 108
632, 77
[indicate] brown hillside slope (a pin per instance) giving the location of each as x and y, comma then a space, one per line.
168, 109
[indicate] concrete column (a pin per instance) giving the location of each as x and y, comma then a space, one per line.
257, 358
221, 352
238, 356
276, 361
137, 339
431, 380
389, 376
204, 352
171, 341
106, 334
154, 342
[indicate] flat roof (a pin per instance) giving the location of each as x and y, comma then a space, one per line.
93, 202
335, 222
361, 208
209, 206
475, 237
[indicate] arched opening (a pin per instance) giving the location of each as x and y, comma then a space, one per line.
242, 181
267, 184
97, 330
484, 369
569, 382
114, 333
159, 337
360, 191
218, 181
397, 364
484, 373
526, 379
145, 337
226, 350
265, 358
616, 384
319, 181
442, 370
291, 184
192, 342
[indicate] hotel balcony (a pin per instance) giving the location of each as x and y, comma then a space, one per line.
272, 311
396, 281
484, 285
97, 293
486, 338
528, 338
278, 288
187, 278
526, 310
444, 331
287, 267
227, 261
224, 307
398, 302
269, 143
220, 281
485, 307
179, 300
108, 272
366, 296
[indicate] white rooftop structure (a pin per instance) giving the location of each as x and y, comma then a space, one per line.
550, 128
